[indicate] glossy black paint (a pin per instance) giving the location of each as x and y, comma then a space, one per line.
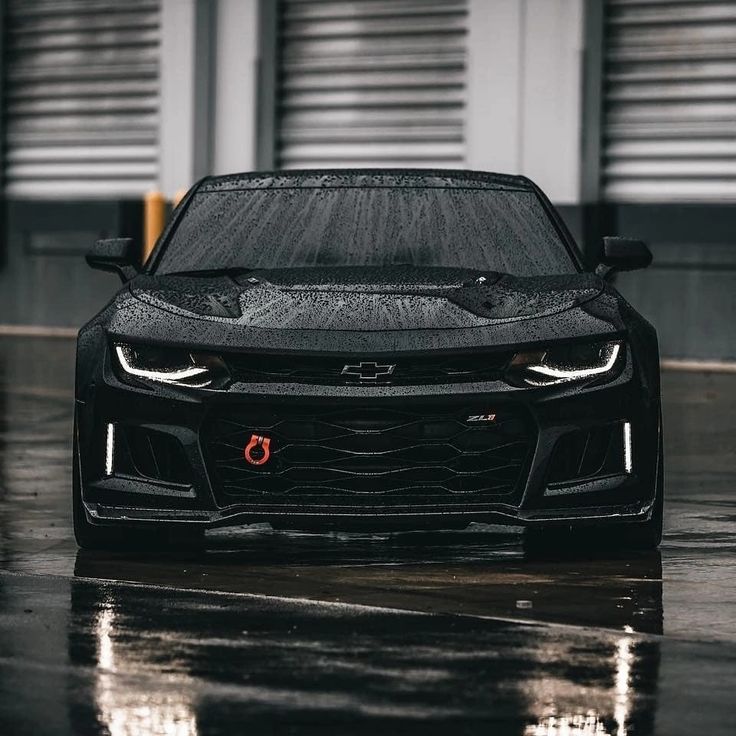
625, 254
117, 255
385, 314
109, 642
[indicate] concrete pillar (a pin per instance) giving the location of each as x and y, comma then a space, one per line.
187, 92
493, 123
236, 86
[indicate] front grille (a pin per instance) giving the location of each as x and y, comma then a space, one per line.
397, 370
370, 458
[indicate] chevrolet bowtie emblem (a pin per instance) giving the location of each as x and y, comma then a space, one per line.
368, 371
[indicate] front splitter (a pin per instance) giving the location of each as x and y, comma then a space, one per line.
385, 521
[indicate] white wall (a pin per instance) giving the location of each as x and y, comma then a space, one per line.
524, 107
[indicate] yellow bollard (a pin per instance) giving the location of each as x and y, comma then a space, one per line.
180, 194
154, 216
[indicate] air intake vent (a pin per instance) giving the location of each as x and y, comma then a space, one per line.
588, 453
151, 454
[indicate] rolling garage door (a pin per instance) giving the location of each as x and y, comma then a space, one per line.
81, 97
670, 100
371, 83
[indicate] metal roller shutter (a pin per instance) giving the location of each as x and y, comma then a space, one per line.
81, 97
670, 100
371, 83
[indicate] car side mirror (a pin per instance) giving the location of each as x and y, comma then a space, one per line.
115, 254
623, 254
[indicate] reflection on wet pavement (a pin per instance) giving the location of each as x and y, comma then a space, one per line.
287, 631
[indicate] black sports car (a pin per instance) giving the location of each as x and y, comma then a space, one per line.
367, 349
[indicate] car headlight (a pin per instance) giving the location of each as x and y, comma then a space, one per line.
564, 363
173, 366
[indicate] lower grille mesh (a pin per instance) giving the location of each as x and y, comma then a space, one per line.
369, 457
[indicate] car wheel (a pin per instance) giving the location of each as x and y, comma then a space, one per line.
88, 535
597, 539
166, 539
646, 535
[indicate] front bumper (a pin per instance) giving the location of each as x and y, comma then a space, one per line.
616, 493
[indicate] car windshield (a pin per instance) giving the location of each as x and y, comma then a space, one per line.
478, 228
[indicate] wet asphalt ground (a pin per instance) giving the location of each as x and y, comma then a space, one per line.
415, 633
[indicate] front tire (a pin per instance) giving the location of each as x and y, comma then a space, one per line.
168, 539
600, 538
87, 536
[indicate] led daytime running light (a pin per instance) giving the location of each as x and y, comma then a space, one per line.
176, 375
562, 374
109, 448
628, 455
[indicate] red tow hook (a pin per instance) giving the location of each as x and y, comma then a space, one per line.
258, 450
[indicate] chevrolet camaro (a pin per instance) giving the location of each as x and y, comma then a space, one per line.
367, 349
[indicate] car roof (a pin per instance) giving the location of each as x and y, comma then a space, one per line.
365, 178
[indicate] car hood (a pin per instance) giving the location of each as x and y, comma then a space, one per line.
365, 299
363, 311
